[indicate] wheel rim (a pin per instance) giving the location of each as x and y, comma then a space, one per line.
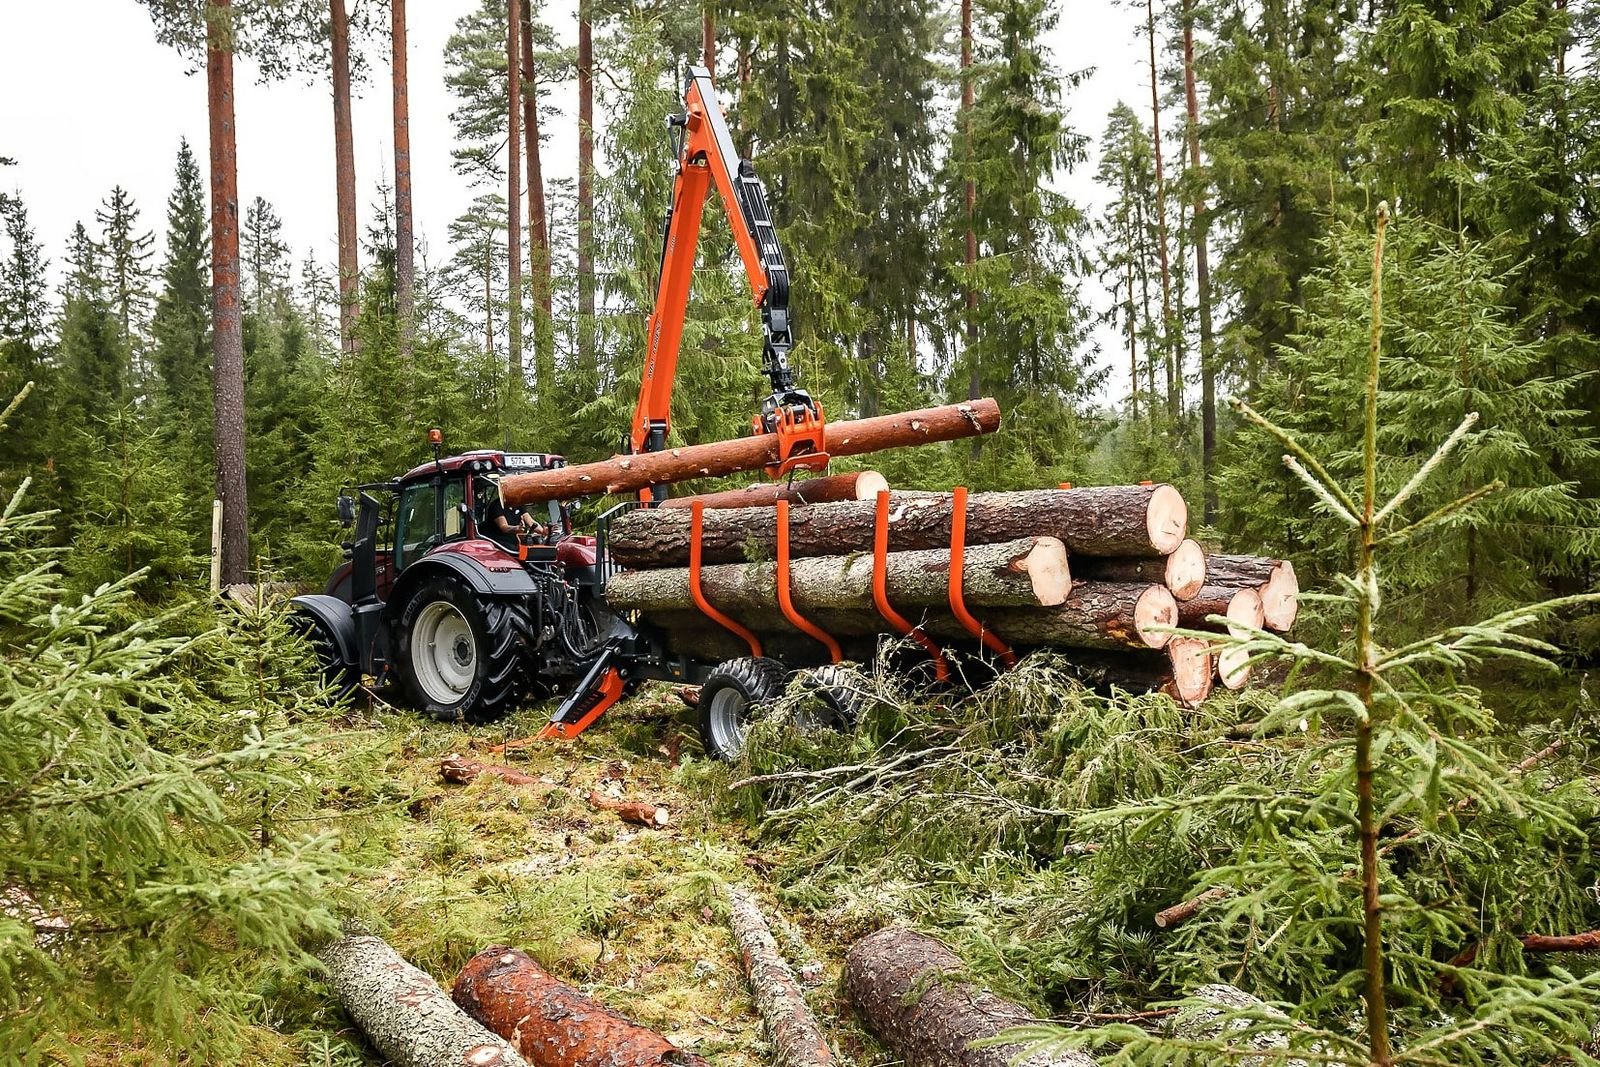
728, 720
444, 654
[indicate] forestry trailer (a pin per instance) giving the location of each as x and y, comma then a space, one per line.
441, 603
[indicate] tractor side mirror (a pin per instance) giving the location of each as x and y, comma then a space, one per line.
347, 509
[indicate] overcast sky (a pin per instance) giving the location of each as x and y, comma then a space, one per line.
89, 100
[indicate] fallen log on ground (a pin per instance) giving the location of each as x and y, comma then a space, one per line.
1185, 910
1111, 520
1244, 612
461, 770
1274, 579
1029, 571
854, 485
552, 1024
1183, 572
789, 1023
626, 474
1211, 1020
403, 1012
907, 988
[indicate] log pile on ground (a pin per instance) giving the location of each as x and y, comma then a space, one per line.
1102, 572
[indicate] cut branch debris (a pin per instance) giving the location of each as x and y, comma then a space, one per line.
907, 988
461, 770
403, 1012
552, 1024
790, 1025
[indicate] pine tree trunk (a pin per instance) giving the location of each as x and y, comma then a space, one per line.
404, 1013
789, 1023
344, 166
1183, 572
552, 1024
908, 990
627, 474
708, 38
1025, 572
970, 196
856, 485
586, 323
514, 368
538, 219
1112, 520
405, 271
227, 336
1202, 279
1174, 372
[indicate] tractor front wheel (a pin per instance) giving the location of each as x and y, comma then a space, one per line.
465, 658
735, 689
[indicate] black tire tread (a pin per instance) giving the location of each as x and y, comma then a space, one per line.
761, 680
845, 690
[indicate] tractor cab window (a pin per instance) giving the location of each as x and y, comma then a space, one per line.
420, 521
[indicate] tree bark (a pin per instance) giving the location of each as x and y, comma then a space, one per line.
907, 988
1202, 278
227, 329
344, 166
1274, 579
638, 812
1183, 572
1182, 670
539, 264
1242, 608
586, 324
405, 271
404, 1013
514, 368
1113, 520
1174, 372
789, 1023
856, 485
1029, 571
552, 1024
626, 474
970, 196
708, 38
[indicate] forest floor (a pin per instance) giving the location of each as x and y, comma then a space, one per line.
632, 916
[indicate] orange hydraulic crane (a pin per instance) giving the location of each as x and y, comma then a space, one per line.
705, 155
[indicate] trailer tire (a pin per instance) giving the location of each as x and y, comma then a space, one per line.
465, 657
838, 696
733, 691
340, 679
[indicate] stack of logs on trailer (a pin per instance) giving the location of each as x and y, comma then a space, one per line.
1097, 572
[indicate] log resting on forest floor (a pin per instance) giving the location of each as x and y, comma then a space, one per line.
552, 1024
627, 474
790, 1025
1026, 572
906, 987
1112, 520
403, 1012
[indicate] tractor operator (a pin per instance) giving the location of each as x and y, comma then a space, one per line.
505, 523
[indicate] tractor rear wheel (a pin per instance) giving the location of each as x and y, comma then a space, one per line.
464, 657
339, 679
735, 689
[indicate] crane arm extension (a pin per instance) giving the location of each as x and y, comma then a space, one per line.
706, 156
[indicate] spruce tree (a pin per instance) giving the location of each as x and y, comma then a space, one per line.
25, 343
128, 274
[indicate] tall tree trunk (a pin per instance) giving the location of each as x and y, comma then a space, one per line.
1174, 372
538, 220
708, 38
1202, 276
968, 97
1133, 344
344, 166
405, 272
514, 369
585, 187
227, 332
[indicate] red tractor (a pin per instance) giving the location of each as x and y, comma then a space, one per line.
436, 603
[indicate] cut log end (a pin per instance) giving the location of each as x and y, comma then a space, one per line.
1280, 597
1186, 569
1192, 671
869, 484
1233, 668
1047, 568
1155, 608
1167, 519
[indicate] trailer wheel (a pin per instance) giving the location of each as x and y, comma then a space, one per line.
735, 689
339, 679
464, 658
839, 696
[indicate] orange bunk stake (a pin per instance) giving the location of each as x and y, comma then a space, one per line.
880, 590
786, 599
697, 517
958, 605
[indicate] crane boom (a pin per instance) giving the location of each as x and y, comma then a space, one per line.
706, 157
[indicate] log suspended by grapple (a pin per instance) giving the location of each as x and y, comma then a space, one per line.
629, 474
